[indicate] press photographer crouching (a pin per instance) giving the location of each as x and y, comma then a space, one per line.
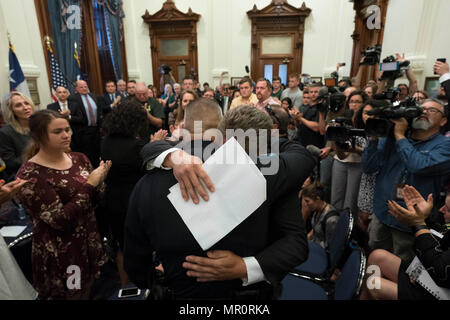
409, 152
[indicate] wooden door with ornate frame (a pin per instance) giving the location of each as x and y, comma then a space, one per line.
174, 52
275, 56
173, 37
277, 39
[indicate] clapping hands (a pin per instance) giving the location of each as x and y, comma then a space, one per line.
417, 210
99, 175
159, 136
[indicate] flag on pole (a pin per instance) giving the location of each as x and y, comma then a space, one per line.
77, 63
17, 80
58, 79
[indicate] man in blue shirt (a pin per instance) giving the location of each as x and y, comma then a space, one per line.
422, 161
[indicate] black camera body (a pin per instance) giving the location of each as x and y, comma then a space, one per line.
381, 126
165, 69
337, 101
390, 95
392, 69
343, 133
372, 55
333, 101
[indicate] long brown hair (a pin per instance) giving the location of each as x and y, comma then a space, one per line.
180, 110
39, 123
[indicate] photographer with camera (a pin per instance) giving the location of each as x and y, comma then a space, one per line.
420, 158
391, 69
348, 143
166, 77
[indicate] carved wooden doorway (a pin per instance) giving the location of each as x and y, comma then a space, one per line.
367, 35
277, 39
173, 37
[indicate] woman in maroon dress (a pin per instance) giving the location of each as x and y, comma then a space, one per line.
60, 194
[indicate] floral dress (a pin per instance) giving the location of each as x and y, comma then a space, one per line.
65, 235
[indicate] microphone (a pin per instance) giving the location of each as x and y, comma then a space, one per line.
247, 69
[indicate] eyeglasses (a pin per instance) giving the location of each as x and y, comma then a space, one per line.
433, 110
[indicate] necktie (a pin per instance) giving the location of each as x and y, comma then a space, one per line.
91, 113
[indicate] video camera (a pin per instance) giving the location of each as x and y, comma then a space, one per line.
343, 133
380, 126
393, 69
164, 69
372, 55
332, 100
391, 95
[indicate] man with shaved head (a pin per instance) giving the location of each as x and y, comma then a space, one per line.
86, 133
155, 111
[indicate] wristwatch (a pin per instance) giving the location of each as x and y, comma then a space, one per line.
416, 229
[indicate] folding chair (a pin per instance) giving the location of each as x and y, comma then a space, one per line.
21, 250
347, 286
321, 263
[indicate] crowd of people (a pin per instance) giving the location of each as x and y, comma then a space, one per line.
91, 167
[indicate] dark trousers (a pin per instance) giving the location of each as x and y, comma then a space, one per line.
87, 140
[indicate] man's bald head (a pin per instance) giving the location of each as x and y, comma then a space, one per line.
62, 94
205, 110
142, 92
82, 87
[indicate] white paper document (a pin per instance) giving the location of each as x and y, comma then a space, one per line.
240, 189
12, 231
418, 273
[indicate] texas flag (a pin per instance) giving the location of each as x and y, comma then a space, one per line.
17, 80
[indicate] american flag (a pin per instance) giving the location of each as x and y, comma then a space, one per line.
58, 79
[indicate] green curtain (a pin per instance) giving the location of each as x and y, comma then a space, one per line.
114, 27
65, 21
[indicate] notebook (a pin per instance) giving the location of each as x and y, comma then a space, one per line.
418, 273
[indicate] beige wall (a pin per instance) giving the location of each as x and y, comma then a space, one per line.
224, 36
20, 19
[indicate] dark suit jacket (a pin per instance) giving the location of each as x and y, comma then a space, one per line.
106, 102
75, 115
82, 111
275, 236
86, 139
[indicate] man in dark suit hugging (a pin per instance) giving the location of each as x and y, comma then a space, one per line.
250, 261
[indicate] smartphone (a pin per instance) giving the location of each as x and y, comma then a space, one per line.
130, 292
443, 60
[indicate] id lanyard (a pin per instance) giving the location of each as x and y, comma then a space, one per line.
398, 196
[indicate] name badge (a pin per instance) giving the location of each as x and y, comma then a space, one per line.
399, 192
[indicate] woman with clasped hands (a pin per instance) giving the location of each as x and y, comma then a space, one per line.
434, 254
60, 195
